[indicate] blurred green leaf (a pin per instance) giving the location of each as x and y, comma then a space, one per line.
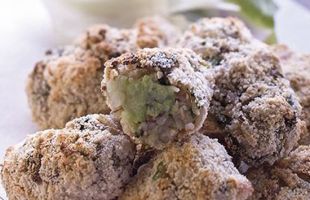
271, 39
259, 12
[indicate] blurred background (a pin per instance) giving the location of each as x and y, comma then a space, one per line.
30, 27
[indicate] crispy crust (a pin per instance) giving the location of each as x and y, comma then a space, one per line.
211, 37
253, 104
66, 83
199, 168
90, 158
288, 179
257, 108
107, 42
155, 32
296, 68
181, 68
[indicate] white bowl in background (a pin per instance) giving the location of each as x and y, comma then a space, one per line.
70, 17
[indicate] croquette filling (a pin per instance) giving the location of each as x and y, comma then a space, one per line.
149, 109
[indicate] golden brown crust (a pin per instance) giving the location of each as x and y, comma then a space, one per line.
180, 68
253, 103
66, 83
87, 160
256, 106
288, 179
254, 113
211, 37
296, 68
107, 42
155, 32
197, 169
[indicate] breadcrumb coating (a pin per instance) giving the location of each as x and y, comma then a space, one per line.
155, 32
288, 179
218, 68
211, 37
199, 168
296, 68
66, 83
253, 103
108, 42
180, 68
257, 108
89, 159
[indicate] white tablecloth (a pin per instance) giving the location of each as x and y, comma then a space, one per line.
25, 33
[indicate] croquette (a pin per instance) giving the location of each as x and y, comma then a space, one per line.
212, 37
159, 95
89, 159
296, 68
253, 103
198, 168
66, 83
288, 179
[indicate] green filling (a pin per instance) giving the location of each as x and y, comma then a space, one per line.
160, 171
141, 99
